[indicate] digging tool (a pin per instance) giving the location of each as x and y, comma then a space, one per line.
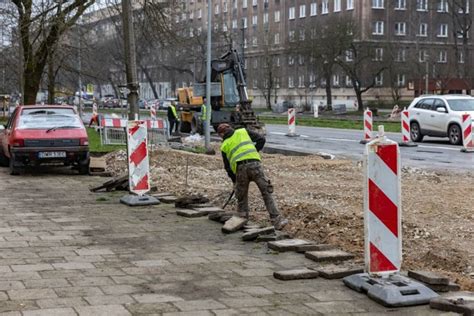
230, 198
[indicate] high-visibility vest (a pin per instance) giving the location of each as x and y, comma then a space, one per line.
204, 112
173, 109
239, 147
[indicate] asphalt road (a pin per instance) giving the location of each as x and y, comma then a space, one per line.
433, 153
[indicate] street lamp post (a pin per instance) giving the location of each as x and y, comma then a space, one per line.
208, 77
426, 76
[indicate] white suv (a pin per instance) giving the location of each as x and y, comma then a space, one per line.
439, 116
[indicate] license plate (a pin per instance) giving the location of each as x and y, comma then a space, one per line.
52, 154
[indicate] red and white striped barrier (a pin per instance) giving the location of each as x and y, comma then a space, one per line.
138, 164
405, 121
467, 141
113, 122
153, 111
291, 122
368, 124
382, 206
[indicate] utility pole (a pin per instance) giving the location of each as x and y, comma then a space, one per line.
80, 68
208, 77
426, 76
130, 59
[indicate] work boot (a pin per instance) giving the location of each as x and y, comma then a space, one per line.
279, 222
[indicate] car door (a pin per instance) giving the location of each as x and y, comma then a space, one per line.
421, 113
438, 121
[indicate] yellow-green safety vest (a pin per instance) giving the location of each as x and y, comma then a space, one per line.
173, 109
203, 112
239, 147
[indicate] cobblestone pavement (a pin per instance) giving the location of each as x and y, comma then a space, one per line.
66, 251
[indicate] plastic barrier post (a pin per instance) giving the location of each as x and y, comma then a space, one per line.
292, 123
467, 131
405, 121
368, 123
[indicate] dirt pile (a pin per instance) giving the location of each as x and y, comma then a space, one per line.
323, 199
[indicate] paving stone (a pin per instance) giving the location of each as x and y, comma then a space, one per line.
295, 274
109, 300
31, 267
286, 244
233, 224
120, 289
209, 210
189, 213
247, 290
335, 307
191, 313
336, 295
61, 302
225, 217
151, 263
254, 233
428, 277
51, 312
253, 272
75, 291
328, 255
451, 287
116, 310
151, 308
245, 302
278, 235
73, 265
11, 285
31, 294
338, 271
162, 194
46, 283
156, 298
460, 302
168, 199
94, 252
196, 305
215, 216
251, 227
314, 247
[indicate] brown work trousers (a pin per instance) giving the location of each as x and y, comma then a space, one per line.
253, 171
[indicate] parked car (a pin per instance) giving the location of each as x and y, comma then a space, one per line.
439, 116
164, 104
36, 135
142, 104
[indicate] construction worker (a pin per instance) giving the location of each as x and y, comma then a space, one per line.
173, 117
242, 162
95, 115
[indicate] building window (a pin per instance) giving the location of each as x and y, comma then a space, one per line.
244, 4
244, 23
443, 57
276, 38
349, 55
423, 31
301, 81
422, 56
335, 80
350, 5
400, 28
254, 3
302, 11
277, 83
277, 61
401, 55
291, 13
216, 9
291, 82
377, 28
461, 58
265, 18
379, 80
443, 30
337, 5
291, 60
442, 6
245, 43
325, 7
422, 5
254, 41
312, 81
234, 24
377, 4
464, 9
277, 16
400, 80
291, 36
254, 20
400, 5
378, 54
302, 35
199, 14
348, 81
314, 9
224, 7
301, 60
255, 63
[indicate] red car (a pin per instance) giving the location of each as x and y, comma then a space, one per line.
44, 134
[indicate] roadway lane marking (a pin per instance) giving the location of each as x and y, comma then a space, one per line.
343, 140
277, 133
439, 147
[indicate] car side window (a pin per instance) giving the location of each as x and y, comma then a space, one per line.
419, 104
438, 103
12, 119
427, 103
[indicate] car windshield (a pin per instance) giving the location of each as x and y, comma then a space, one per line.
461, 104
46, 118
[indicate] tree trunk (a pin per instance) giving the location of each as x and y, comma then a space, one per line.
150, 81
31, 82
359, 99
328, 91
51, 79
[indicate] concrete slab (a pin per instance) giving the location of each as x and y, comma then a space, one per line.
461, 302
253, 234
338, 271
295, 274
137, 200
428, 277
314, 247
234, 224
170, 199
287, 244
189, 213
162, 194
215, 216
278, 235
451, 287
328, 255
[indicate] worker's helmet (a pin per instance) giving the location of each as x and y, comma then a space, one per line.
223, 128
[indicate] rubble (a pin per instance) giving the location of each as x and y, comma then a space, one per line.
233, 224
328, 255
254, 233
287, 244
296, 274
460, 302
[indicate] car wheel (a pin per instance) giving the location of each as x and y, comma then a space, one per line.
415, 132
4, 161
454, 134
14, 171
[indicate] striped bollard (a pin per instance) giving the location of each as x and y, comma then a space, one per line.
405, 121
292, 123
153, 111
138, 165
368, 123
94, 109
467, 131
382, 281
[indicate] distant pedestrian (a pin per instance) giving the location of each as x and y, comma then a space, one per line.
173, 118
243, 165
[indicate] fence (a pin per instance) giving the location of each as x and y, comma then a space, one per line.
114, 132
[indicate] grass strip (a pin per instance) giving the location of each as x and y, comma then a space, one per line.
95, 144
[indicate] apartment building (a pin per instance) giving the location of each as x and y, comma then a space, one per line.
419, 43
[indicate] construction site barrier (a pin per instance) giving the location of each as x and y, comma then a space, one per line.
291, 122
368, 123
405, 122
138, 162
153, 111
467, 139
113, 131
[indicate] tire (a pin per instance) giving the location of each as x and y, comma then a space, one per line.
455, 134
14, 171
4, 161
185, 127
415, 132
197, 126
83, 169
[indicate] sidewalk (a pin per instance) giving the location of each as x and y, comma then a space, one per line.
66, 251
